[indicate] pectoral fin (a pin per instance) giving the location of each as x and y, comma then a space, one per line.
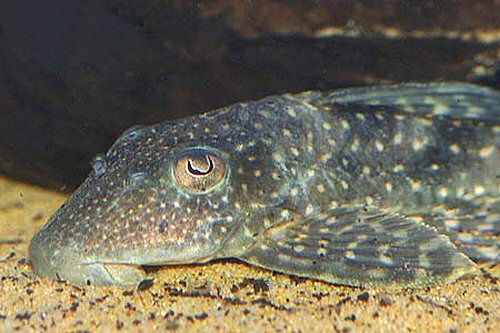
360, 248
474, 227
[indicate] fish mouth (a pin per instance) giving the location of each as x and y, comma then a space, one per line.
58, 264
59, 256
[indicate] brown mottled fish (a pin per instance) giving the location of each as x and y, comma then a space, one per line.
392, 185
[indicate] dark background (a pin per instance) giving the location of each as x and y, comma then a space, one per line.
75, 74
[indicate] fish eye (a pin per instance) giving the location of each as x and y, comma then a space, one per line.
199, 171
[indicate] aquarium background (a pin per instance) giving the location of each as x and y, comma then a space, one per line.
75, 74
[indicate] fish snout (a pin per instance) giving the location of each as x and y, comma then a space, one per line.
51, 260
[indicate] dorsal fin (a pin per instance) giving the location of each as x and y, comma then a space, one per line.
451, 99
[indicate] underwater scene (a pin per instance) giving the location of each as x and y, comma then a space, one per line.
267, 166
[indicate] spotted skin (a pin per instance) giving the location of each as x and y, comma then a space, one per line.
389, 185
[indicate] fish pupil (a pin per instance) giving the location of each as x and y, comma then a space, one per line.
196, 170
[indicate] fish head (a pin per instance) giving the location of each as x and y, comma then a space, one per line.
170, 193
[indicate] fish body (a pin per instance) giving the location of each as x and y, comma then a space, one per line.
388, 185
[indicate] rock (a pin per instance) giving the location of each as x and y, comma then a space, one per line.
74, 75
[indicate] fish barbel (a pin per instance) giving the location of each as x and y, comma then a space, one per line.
394, 185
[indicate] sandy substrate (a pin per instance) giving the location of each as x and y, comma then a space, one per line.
222, 296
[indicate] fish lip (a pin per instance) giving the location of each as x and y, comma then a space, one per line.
45, 259
60, 264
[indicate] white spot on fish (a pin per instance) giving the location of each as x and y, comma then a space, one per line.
425, 121
247, 231
327, 126
379, 146
350, 255
294, 151
332, 142
473, 111
415, 185
331, 220
398, 167
345, 124
454, 148
291, 112
424, 261
285, 213
440, 108
360, 116
479, 190
460, 192
321, 252
352, 245
386, 260
277, 156
486, 151
355, 145
434, 166
398, 138
451, 223
325, 157
443, 192
323, 241
418, 144
298, 248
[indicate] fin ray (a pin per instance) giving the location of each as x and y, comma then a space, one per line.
474, 228
452, 99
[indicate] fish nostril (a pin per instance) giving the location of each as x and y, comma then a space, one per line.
99, 165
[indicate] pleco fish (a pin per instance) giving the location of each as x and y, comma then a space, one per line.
392, 185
